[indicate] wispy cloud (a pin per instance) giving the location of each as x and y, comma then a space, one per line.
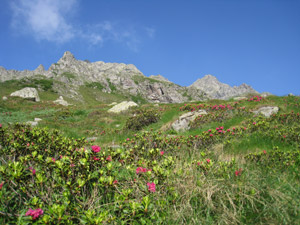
50, 20
44, 19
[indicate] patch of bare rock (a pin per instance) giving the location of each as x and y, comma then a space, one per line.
182, 123
123, 106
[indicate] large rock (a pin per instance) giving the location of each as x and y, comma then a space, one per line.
61, 101
239, 98
184, 120
267, 111
123, 106
27, 93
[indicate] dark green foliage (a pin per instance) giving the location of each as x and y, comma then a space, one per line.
111, 86
68, 75
139, 99
44, 84
95, 85
142, 118
63, 114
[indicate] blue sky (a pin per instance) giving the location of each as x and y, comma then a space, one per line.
239, 41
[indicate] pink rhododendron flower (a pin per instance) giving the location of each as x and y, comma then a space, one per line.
96, 148
254, 123
128, 139
28, 144
162, 152
264, 151
32, 170
1, 185
34, 213
95, 158
238, 172
0, 125
141, 170
108, 158
72, 165
115, 182
211, 135
208, 160
209, 130
151, 187
53, 159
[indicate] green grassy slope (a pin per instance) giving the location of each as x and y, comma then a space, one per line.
232, 167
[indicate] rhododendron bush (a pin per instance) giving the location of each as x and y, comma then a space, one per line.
223, 171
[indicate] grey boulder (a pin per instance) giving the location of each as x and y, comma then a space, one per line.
183, 122
267, 111
27, 93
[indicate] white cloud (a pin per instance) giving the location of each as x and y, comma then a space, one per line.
44, 19
50, 20
150, 32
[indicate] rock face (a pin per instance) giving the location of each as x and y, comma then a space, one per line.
61, 101
184, 120
217, 90
267, 111
27, 93
69, 74
123, 106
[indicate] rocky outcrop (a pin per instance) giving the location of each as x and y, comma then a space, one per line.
184, 120
34, 123
123, 106
239, 98
217, 90
160, 78
27, 93
267, 111
61, 101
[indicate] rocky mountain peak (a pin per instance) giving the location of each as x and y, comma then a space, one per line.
67, 57
215, 89
209, 77
40, 69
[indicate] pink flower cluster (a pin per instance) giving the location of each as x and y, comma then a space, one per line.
34, 213
238, 172
141, 170
151, 187
255, 99
217, 107
32, 170
96, 148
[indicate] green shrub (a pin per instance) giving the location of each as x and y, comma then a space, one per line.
95, 85
142, 118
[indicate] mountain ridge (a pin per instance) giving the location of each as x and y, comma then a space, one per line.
70, 73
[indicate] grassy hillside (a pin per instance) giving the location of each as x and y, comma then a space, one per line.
83, 165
